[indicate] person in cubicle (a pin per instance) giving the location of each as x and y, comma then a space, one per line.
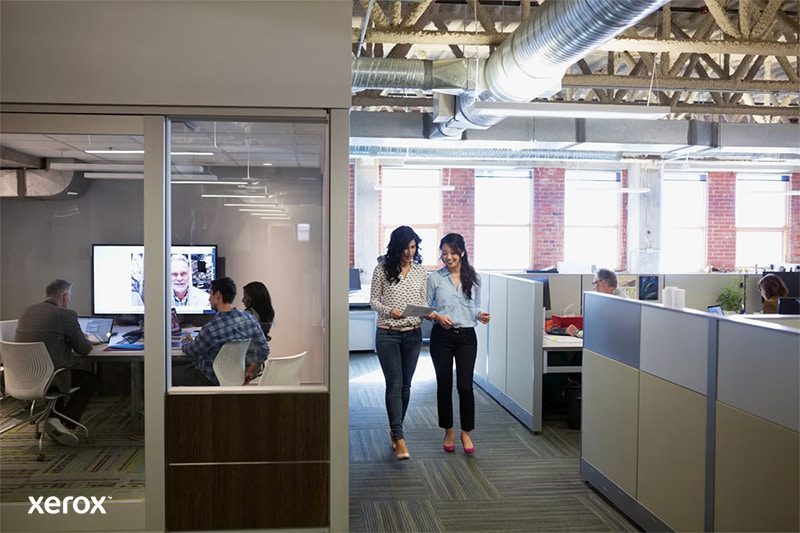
772, 288
56, 325
228, 325
605, 281
183, 292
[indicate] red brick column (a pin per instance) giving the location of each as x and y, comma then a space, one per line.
548, 216
721, 232
794, 221
623, 225
351, 189
458, 205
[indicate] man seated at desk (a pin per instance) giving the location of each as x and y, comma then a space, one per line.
228, 325
56, 325
604, 281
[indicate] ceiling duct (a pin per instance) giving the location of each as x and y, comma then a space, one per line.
41, 183
528, 64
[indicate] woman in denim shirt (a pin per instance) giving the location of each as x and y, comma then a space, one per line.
397, 282
454, 292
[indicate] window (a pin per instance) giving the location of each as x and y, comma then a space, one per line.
503, 221
592, 218
683, 223
761, 219
412, 198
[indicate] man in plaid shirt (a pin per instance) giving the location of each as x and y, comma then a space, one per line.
228, 325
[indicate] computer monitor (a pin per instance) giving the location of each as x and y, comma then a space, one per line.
118, 278
715, 310
355, 279
546, 295
648, 288
789, 306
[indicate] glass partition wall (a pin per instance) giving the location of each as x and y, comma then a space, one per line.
247, 205
70, 194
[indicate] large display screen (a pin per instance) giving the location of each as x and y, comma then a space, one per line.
118, 278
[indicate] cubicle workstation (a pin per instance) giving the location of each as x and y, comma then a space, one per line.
690, 420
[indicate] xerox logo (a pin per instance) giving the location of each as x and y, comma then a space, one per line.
55, 505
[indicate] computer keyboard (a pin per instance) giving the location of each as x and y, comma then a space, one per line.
558, 331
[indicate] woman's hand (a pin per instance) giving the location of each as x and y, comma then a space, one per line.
483, 317
444, 321
395, 313
251, 372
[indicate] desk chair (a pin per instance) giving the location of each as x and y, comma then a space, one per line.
8, 332
283, 370
29, 373
229, 363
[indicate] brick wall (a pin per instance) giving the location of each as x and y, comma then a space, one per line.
458, 206
721, 234
351, 190
623, 225
794, 221
548, 217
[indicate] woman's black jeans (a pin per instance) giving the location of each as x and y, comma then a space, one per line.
398, 352
460, 344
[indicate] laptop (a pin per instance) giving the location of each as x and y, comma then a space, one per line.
715, 310
98, 329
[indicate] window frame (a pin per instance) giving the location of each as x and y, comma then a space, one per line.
700, 177
488, 176
783, 230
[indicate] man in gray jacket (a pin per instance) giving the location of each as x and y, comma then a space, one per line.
54, 324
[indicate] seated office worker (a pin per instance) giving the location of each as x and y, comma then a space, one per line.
228, 325
56, 325
605, 281
454, 291
772, 289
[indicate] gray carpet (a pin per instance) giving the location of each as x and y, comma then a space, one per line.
517, 481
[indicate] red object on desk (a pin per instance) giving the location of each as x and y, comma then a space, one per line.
566, 321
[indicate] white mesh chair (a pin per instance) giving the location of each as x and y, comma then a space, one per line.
229, 363
8, 330
29, 373
283, 370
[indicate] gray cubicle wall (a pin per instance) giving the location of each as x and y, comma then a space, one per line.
513, 356
702, 289
697, 427
565, 291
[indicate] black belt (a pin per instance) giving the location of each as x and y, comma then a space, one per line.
455, 330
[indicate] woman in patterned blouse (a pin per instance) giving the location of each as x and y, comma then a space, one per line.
397, 282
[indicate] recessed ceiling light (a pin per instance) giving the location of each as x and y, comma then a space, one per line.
72, 193
110, 151
233, 196
191, 153
266, 164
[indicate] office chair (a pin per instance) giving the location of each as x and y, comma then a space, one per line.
8, 332
283, 370
229, 363
29, 373
789, 306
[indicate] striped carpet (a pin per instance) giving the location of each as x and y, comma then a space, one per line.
108, 464
517, 481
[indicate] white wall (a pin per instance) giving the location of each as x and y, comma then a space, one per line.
235, 53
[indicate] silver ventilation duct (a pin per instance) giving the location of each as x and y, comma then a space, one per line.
532, 60
489, 154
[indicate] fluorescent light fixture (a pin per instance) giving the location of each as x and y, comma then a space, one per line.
109, 151
112, 151
72, 193
416, 187
98, 167
113, 175
205, 182
254, 204
233, 196
261, 210
571, 110
266, 164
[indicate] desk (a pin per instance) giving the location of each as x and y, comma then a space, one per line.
559, 343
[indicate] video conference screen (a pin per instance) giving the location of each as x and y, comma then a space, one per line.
118, 278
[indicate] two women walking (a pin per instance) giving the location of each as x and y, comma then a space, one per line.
454, 294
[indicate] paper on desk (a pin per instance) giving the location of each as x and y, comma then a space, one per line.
417, 310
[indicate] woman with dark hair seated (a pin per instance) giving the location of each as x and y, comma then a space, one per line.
772, 288
257, 302
397, 282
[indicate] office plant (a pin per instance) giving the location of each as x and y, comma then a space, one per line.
731, 297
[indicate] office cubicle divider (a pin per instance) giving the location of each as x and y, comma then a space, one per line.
690, 420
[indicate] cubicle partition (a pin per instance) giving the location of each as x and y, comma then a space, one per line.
690, 420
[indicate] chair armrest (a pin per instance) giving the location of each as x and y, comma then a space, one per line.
50, 381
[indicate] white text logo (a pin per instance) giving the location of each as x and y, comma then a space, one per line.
79, 505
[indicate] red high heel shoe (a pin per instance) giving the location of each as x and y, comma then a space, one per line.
470, 450
449, 448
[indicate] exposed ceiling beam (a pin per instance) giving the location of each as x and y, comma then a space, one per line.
592, 81
621, 44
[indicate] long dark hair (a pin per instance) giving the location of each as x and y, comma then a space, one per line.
260, 300
468, 275
773, 286
398, 242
